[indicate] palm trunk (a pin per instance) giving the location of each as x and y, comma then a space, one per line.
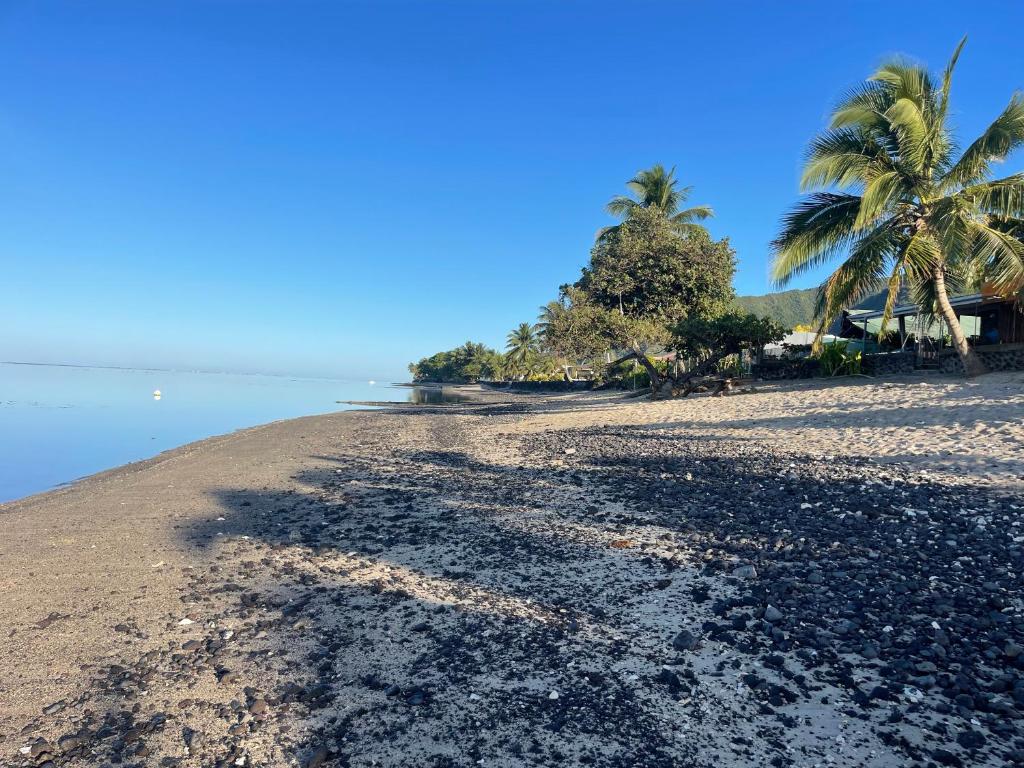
972, 364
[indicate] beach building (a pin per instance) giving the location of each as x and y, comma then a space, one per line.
916, 340
796, 342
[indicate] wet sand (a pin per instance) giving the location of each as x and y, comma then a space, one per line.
811, 574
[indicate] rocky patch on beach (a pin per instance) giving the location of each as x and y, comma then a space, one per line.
441, 590
898, 596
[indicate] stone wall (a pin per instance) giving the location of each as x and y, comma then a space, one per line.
773, 369
539, 386
1004, 357
888, 363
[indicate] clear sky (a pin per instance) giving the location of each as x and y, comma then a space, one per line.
337, 188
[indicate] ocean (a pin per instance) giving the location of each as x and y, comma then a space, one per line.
61, 423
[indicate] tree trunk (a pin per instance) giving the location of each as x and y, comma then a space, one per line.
972, 364
652, 372
685, 384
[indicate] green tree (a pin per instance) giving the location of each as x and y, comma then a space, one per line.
522, 345
574, 331
656, 189
466, 364
645, 269
889, 191
548, 318
708, 340
641, 278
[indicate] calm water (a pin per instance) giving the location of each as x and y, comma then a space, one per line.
58, 424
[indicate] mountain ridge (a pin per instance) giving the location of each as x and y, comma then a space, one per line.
791, 308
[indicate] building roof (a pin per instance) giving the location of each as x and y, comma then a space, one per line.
909, 309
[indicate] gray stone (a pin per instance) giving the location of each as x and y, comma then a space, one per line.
773, 614
745, 572
686, 641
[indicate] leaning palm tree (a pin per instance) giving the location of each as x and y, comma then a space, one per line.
890, 193
522, 343
656, 188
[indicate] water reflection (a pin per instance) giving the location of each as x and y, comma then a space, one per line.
58, 423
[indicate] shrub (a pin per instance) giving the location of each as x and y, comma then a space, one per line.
837, 360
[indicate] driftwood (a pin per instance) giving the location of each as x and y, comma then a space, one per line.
700, 379
716, 385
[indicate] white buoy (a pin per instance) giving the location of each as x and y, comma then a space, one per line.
372, 382
156, 394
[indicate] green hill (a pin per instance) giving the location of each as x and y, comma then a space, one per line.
788, 307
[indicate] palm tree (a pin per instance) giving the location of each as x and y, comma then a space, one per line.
656, 188
549, 315
522, 343
887, 187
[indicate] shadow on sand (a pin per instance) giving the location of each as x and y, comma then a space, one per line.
452, 608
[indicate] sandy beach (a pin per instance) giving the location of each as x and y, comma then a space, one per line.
810, 574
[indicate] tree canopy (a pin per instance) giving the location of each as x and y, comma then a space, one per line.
642, 277
645, 269
522, 343
726, 334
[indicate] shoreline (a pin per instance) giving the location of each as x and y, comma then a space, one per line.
156, 459
465, 390
411, 585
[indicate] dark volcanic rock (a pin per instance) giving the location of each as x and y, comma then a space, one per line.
686, 640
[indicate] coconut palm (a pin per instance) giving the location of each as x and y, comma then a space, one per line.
522, 344
549, 315
890, 193
656, 188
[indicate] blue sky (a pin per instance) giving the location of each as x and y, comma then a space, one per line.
337, 188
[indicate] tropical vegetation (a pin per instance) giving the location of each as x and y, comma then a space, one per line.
656, 286
522, 348
886, 193
463, 365
889, 193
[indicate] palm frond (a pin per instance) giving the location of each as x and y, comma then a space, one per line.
925, 296
812, 232
947, 79
843, 157
907, 119
904, 80
1005, 256
1000, 197
863, 107
697, 213
656, 187
863, 272
880, 195
621, 206
1005, 134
